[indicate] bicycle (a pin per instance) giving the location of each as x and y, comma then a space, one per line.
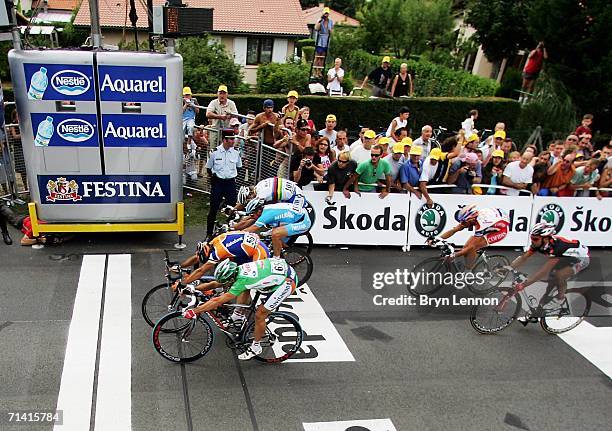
183, 340
505, 306
485, 266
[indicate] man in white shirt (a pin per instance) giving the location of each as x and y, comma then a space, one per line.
335, 76
359, 141
430, 167
361, 153
518, 175
423, 141
395, 160
341, 143
329, 132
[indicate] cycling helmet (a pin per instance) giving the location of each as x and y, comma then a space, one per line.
543, 229
468, 212
243, 195
202, 251
254, 205
226, 271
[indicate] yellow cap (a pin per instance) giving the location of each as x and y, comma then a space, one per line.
416, 150
398, 147
500, 134
386, 59
370, 134
498, 153
330, 117
407, 141
435, 153
293, 93
222, 88
325, 10
473, 137
186, 91
579, 155
384, 140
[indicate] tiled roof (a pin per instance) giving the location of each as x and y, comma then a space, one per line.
313, 15
57, 4
276, 17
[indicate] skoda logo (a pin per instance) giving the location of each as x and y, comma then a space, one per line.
430, 221
552, 213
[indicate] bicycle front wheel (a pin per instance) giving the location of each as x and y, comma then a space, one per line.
570, 315
490, 276
182, 340
301, 263
432, 272
306, 246
158, 302
281, 340
497, 314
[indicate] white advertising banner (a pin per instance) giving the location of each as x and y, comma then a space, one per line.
428, 222
365, 220
586, 219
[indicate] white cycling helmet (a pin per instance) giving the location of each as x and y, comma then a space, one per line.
543, 229
254, 205
243, 195
468, 212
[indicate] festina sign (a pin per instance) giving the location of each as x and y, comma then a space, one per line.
104, 189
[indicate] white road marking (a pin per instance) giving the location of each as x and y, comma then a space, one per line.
75, 395
592, 342
368, 424
114, 395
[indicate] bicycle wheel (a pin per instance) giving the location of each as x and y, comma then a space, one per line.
282, 339
182, 340
300, 261
157, 303
491, 277
497, 314
570, 315
433, 270
307, 246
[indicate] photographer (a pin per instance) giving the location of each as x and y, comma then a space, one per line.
532, 69
465, 171
189, 114
303, 168
324, 28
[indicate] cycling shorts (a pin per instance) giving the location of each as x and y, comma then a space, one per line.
576, 263
279, 295
494, 233
300, 227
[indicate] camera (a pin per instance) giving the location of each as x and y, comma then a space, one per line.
307, 163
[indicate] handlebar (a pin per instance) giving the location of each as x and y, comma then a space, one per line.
446, 247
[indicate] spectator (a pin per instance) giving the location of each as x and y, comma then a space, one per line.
359, 141
604, 154
284, 144
401, 121
383, 143
493, 143
303, 168
361, 153
571, 140
301, 139
584, 145
450, 149
514, 156
200, 137
329, 132
324, 27
324, 157
220, 110
380, 79
532, 69
430, 168
410, 171
557, 151
559, 176
424, 140
407, 143
499, 127
605, 180
493, 171
3, 226
585, 126
464, 171
584, 178
222, 168
190, 110
518, 175
335, 76
540, 170
507, 147
468, 124
395, 160
341, 143
305, 115
338, 175
471, 143
291, 110
402, 83
399, 134
367, 174
267, 121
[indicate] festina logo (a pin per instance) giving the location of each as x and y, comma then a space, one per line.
129, 132
109, 189
133, 85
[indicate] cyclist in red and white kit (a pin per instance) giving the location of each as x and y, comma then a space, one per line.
567, 257
491, 226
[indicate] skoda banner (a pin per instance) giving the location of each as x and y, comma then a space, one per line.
586, 219
365, 220
426, 222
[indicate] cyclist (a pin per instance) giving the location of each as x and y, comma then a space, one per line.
271, 190
284, 218
269, 276
567, 258
491, 225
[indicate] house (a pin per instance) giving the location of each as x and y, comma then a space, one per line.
313, 14
254, 32
53, 11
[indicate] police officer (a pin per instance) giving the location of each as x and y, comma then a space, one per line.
222, 168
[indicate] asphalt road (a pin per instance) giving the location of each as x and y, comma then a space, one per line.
363, 366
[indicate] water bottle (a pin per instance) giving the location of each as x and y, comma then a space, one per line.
44, 133
492, 190
38, 84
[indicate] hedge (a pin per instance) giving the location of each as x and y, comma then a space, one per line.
353, 112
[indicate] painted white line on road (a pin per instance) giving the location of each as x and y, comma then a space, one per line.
365, 425
76, 386
594, 343
114, 395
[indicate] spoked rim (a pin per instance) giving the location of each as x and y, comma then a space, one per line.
573, 312
489, 319
300, 262
157, 303
432, 266
282, 339
492, 272
182, 340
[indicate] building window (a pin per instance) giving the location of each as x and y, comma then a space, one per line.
259, 50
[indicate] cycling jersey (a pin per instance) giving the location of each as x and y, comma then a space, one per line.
562, 247
492, 224
273, 190
264, 276
295, 220
240, 247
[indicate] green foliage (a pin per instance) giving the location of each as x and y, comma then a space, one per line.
355, 111
305, 42
511, 81
72, 37
280, 78
206, 65
308, 53
5, 74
